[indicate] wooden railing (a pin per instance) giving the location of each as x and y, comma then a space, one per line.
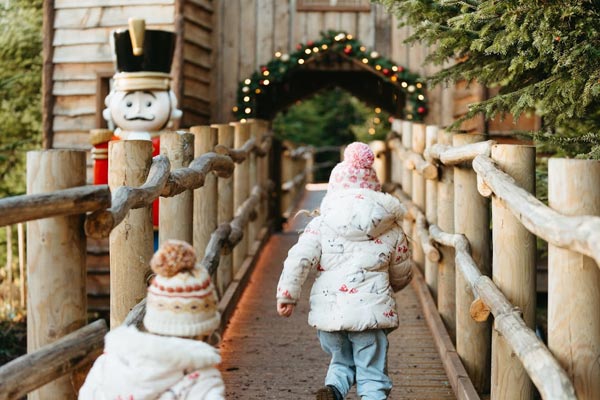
446, 180
233, 207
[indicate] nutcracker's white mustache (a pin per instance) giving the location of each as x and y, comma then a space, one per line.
139, 118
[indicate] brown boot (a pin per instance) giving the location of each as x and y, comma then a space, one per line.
328, 393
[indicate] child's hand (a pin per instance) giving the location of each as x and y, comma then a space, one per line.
285, 309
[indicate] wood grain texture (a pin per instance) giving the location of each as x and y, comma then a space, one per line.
574, 279
471, 218
514, 270
56, 303
176, 213
52, 361
131, 240
431, 266
47, 73
241, 190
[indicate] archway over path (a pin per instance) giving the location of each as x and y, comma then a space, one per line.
337, 59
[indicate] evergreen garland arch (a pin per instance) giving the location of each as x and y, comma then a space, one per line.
363, 72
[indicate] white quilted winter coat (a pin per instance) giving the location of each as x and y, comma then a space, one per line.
361, 255
141, 366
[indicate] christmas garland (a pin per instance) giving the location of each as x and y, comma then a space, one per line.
276, 71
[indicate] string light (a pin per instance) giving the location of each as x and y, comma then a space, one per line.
245, 89
247, 81
246, 99
266, 72
394, 78
394, 68
371, 131
377, 110
421, 97
324, 47
277, 54
301, 61
349, 37
266, 82
235, 108
378, 67
243, 120
315, 49
374, 54
285, 57
411, 88
365, 61
307, 51
257, 91
248, 110
362, 48
376, 120
419, 85
404, 84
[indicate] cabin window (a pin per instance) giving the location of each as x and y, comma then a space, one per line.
334, 5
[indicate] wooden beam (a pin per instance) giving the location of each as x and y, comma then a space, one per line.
31, 371
78, 200
48, 72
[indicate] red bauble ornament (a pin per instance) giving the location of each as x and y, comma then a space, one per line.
263, 68
348, 50
386, 71
310, 43
299, 46
421, 110
400, 69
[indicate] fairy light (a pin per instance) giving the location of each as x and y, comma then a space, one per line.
349, 37
266, 82
378, 67
266, 72
374, 54
394, 68
243, 120
377, 110
235, 108
315, 49
277, 54
258, 91
421, 97
363, 48
376, 120
394, 78
247, 81
365, 61
411, 88
245, 89
371, 131
419, 85
404, 84
324, 47
248, 110
246, 99
308, 51
301, 61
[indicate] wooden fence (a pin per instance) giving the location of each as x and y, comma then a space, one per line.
446, 180
217, 200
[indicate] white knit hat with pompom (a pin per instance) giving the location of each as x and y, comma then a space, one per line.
182, 300
356, 170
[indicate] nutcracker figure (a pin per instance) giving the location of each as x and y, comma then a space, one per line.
140, 103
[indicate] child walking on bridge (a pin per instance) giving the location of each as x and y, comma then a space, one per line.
169, 361
361, 257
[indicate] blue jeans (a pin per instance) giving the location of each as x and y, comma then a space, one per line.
361, 356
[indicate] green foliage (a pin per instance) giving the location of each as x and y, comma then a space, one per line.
543, 55
20, 89
279, 69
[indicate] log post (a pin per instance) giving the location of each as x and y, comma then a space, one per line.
264, 165
574, 279
379, 149
205, 198
446, 301
471, 218
418, 190
287, 174
431, 267
131, 243
225, 209
395, 145
253, 180
56, 262
514, 271
310, 164
407, 224
241, 191
176, 213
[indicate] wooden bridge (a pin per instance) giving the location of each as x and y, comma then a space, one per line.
226, 196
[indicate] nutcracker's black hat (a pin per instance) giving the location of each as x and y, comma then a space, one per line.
157, 55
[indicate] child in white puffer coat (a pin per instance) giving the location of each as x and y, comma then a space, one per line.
167, 362
362, 257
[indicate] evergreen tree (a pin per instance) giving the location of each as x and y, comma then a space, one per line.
543, 55
20, 89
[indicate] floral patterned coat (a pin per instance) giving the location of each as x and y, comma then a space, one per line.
361, 256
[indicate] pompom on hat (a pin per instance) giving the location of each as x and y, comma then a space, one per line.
182, 300
356, 170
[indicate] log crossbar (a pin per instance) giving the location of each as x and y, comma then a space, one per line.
541, 366
64, 356
78, 200
454, 155
577, 233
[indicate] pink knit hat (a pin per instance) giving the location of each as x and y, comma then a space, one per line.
356, 171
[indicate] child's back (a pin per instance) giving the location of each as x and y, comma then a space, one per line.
361, 256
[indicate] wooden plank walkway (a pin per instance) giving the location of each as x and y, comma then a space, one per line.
269, 357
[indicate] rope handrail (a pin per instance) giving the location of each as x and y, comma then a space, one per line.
577, 233
77, 200
69, 353
541, 366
